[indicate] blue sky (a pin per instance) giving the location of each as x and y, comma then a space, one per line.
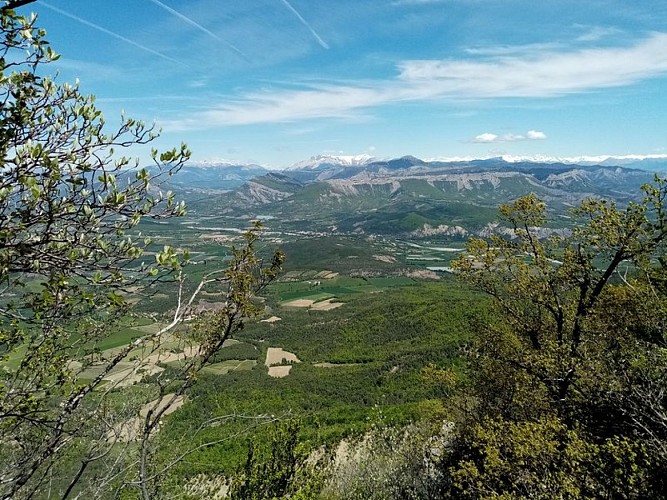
277, 81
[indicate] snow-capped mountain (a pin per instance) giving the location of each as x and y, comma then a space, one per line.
602, 175
648, 162
325, 161
223, 163
214, 175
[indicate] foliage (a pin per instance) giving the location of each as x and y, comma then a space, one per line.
286, 472
544, 459
564, 400
69, 253
407, 326
389, 462
429, 325
236, 351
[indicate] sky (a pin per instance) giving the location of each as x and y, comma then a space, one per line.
277, 81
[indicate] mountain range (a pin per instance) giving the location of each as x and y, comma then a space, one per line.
618, 178
225, 175
403, 195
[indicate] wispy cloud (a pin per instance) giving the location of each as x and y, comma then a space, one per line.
595, 33
543, 74
287, 106
198, 84
488, 138
305, 23
195, 24
514, 50
532, 74
110, 33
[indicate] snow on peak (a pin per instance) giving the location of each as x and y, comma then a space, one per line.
343, 161
215, 162
586, 160
221, 162
578, 160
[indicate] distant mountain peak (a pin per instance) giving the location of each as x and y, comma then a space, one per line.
614, 160
410, 158
222, 163
318, 161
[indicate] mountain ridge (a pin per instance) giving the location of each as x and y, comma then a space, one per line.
487, 181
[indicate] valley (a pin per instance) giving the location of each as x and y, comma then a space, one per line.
367, 299
462, 295
344, 339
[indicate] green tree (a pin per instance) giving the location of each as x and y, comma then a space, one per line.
284, 471
69, 251
571, 369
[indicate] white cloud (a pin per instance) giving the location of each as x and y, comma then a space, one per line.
531, 74
535, 135
487, 137
542, 74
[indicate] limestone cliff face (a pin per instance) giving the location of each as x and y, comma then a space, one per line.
256, 193
415, 198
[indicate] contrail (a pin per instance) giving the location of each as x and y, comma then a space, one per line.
196, 25
110, 33
305, 23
